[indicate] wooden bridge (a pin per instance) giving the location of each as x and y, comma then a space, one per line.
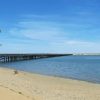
4, 58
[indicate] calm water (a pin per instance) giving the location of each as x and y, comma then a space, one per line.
78, 67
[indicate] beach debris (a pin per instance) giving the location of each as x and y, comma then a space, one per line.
15, 72
20, 92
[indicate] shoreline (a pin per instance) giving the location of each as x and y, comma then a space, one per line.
54, 76
30, 86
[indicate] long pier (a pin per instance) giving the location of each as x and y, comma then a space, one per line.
4, 58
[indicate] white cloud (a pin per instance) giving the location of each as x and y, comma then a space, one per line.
38, 30
53, 34
76, 46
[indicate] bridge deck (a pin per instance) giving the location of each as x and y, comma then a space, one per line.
18, 57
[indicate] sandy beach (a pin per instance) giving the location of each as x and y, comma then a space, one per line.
28, 86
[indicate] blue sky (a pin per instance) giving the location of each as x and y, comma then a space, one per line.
50, 26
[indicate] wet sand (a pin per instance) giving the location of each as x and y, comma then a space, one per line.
18, 85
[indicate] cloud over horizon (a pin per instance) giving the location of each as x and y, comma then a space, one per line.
51, 36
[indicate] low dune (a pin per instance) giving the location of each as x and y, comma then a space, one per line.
18, 85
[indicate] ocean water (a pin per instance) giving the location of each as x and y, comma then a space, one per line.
86, 68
